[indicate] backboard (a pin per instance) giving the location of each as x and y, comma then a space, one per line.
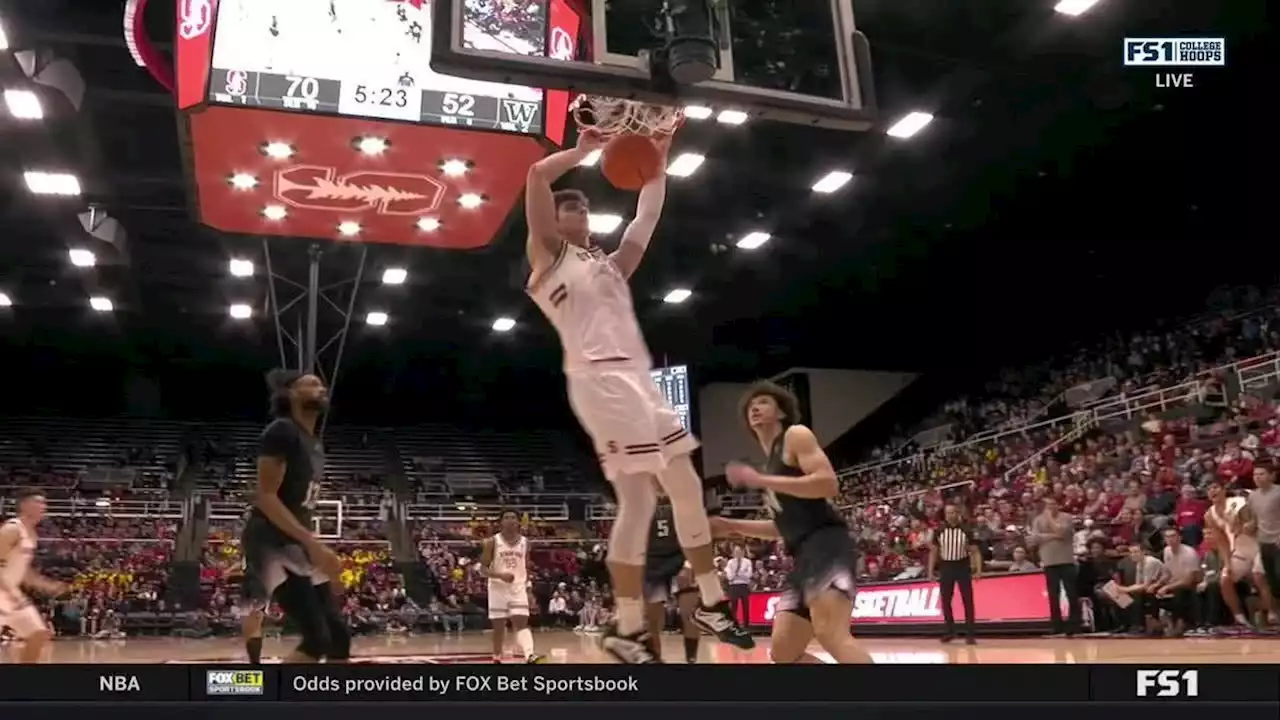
787, 60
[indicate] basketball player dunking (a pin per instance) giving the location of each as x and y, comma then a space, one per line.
583, 291
799, 485
17, 548
667, 574
504, 560
279, 551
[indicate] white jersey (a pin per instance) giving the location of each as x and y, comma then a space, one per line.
1225, 521
15, 567
588, 301
512, 559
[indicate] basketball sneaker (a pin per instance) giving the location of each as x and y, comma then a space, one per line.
718, 620
628, 649
536, 659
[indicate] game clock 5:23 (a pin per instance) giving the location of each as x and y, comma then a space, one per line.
394, 102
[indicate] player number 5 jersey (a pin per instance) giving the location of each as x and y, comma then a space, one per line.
589, 303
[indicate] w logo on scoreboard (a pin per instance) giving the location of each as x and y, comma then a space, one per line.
519, 115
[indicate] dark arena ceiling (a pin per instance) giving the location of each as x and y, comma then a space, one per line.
1056, 194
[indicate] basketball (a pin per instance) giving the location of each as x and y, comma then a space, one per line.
630, 161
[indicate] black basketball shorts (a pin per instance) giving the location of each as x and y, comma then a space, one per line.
660, 577
268, 563
824, 561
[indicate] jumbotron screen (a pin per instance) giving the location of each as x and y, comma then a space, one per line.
673, 381
372, 59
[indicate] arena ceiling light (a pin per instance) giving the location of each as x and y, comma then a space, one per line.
1075, 8
4, 39
754, 240
244, 181
50, 183
685, 165
5, 300
677, 296
394, 276
101, 304
274, 212
455, 167
504, 324
603, 223
470, 201
372, 145
23, 104
82, 258
909, 125
428, 224
731, 117
376, 318
349, 228
240, 311
697, 112
590, 160
241, 268
278, 150
832, 182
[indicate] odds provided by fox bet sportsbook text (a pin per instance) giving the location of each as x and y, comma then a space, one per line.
458, 687
889, 684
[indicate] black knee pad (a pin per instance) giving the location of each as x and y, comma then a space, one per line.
339, 631
301, 604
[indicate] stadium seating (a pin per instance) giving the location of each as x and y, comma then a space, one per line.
1126, 435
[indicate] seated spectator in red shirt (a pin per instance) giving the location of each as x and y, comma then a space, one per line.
1188, 514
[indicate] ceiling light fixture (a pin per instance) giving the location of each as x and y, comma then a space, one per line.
832, 182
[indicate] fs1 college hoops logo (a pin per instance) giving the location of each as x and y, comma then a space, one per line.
1175, 53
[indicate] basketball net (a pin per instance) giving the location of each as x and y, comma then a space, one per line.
611, 117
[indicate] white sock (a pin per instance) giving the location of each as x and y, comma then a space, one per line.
709, 589
524, 640
630, 616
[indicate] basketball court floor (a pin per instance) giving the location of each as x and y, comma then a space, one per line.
570, 648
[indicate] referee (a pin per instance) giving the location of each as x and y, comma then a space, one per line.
954, 553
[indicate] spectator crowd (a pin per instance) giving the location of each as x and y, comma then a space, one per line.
1125, 513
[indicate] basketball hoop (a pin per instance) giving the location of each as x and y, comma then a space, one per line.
611, 117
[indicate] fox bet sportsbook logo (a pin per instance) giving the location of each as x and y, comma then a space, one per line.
233, 682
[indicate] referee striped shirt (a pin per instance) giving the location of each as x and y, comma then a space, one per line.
953, 543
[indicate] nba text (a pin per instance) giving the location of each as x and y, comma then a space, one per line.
1169, 683
119, 684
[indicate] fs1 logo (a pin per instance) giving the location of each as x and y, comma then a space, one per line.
1169, 683
1175, 52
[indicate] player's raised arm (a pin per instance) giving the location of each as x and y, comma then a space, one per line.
540, 204
635, 239
819, 479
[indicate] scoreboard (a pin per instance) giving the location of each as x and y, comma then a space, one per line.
673, 382
372, 59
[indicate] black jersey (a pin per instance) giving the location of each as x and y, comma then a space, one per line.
664, 543
796, 518
303, 457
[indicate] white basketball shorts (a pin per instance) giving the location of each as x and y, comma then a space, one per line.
1243, 566
19, 614
632, 426
506, 600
